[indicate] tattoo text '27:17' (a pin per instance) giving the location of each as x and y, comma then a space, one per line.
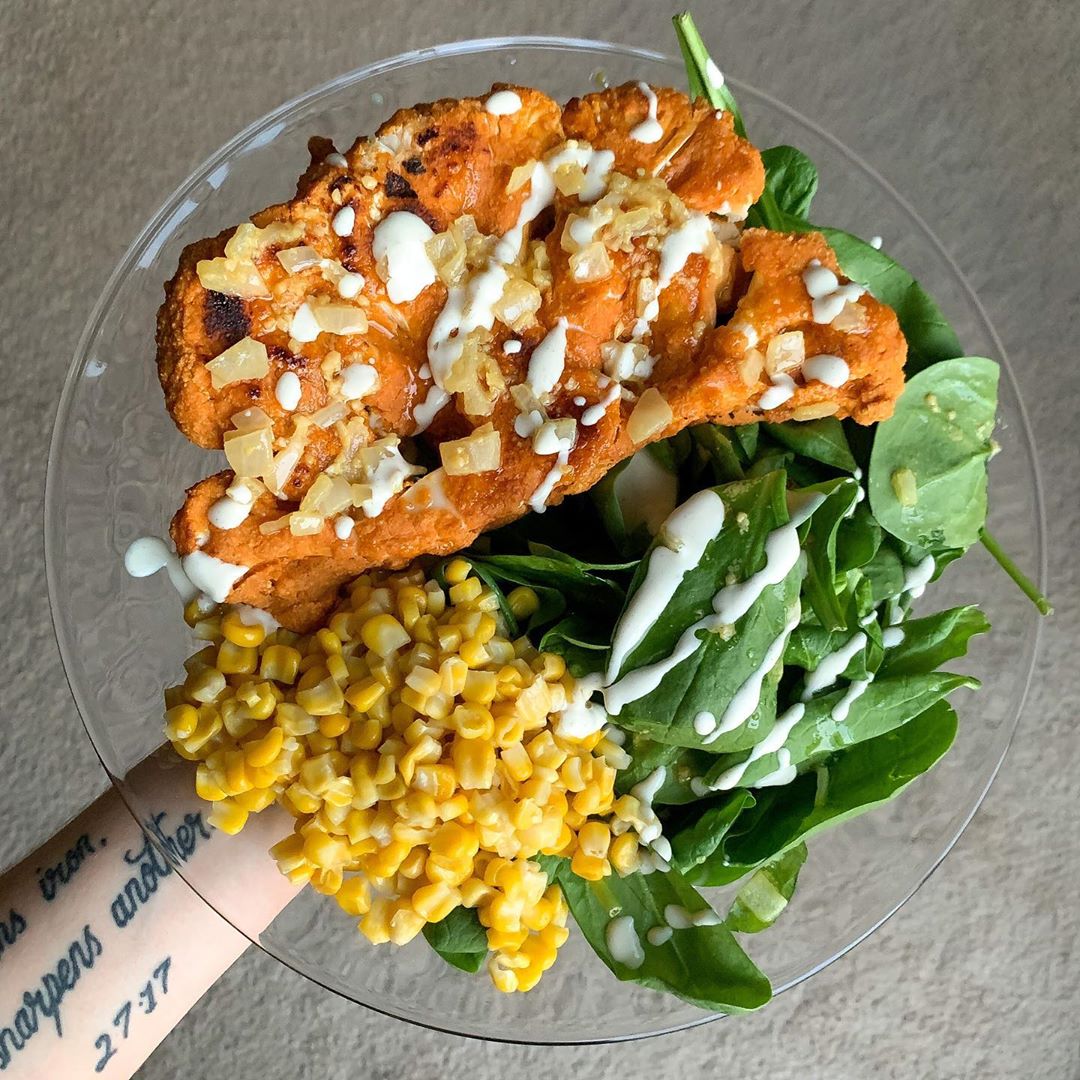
146, 1000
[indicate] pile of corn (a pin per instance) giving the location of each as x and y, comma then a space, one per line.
417, 748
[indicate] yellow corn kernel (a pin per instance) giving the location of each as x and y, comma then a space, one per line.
238, 632
366, 734
227, 816
486, 628
181, 721
517, 761
208, 726
449, 638
205, 786
465, 592
280, 663
438, 781
312, 659
504, 979
588, 800
455, 807
313, 674
354, 895
480, 687
474, 762
255, 800
454, 841
625, 855
236, 659
327, 882
263, 751
474, 892
507, 941
328, 641
205, 685
384, 635
405, 923
334, 725
453, 672
473, 722
386, 861
375, 924
195, 609
435, 901
474, 654
450, 871
457, 570
338, 669
589, 867
594, 839
523, 601
324, 851
362, 695
424, 681
322, 699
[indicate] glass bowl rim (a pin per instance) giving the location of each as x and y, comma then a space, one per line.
266, 127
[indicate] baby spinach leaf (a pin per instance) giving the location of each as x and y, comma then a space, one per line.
931, 641
681, 765
704, 833
704, 965
580, 643
820, 440
857, 540
885, 573
746, 435
819, 542
718, 448
574, 580
791, 178
698, 65
884, 705
927, 478
847, 784
764, 897
459, 939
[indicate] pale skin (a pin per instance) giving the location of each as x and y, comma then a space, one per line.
104, 948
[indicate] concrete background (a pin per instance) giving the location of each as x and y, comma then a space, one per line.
969, 107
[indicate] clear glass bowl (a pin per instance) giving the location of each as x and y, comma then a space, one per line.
118, 467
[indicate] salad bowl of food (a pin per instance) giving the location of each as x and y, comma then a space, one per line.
586, 542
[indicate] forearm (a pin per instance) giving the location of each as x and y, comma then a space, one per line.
103, 948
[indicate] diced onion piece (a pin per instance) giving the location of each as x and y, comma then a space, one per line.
268, 528
249, 241
518, 305
249, 453
520, 176
299, 258
815, 412
904, 486
785, 353
853, 319
591, 263
340, 319
251, 419
328, 496
233, 277
651, 414
751, 366
245, 360
301, 524
570, 179
476, 453
330, 414
245, 490
276, 476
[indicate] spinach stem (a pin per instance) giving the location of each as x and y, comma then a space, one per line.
1027, 586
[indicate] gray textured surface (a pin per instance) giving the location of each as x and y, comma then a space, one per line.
968, 107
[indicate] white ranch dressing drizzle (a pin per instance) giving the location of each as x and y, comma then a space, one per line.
623, 942
548, 359
875, 242
343, 221
773, 743
782, 389
503, 103
595, 413
855, 691
228, 513
211, 575
357, 381
832, 665
287, 390
253, 616
646, 492
304, 326
826, 368
400, 238
581, 717
649, 130
684, 536
679, 918
645, 792
386, 479
892, 636
917, 577
783, 774
692, 237
705, 722
511, 346
538, 501
148, 555
343, 527
659, 935
826, 292
746, 699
